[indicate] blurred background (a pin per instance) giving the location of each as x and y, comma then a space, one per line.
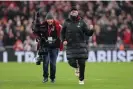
112, 20
112, 42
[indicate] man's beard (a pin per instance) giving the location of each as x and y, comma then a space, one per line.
73, 17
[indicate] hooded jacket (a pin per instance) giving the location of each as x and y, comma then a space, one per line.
74, 32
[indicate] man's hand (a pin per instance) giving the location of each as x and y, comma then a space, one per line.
65, 43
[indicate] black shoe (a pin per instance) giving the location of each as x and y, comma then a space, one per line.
45, 80
52, 81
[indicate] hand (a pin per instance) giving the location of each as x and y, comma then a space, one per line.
65, 43
91, 27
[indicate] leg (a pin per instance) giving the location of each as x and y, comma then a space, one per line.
77, 69
53, 57
81, 63
73, 63
45, 66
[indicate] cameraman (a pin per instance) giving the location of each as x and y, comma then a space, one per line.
49, 44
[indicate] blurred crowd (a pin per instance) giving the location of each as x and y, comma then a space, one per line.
112, 20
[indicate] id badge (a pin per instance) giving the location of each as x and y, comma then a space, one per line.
50, 39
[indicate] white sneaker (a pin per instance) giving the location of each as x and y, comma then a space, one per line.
81, 82
77, 72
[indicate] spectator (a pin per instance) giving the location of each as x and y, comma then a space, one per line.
1, 39
18, 46
27, 44
127, 36
16, 18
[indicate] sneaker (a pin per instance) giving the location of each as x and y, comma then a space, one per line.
77, 72
52, 81
45, 80
81, 82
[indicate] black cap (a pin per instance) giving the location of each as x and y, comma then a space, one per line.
73, 8
49, 16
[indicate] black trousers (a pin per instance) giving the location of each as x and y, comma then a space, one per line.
78, 63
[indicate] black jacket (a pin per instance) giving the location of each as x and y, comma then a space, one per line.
43, 34
74, 32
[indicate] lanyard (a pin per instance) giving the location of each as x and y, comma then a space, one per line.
49, 31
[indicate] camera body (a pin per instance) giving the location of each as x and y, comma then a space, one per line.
39, 30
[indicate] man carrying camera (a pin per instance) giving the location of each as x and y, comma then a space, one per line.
48, 33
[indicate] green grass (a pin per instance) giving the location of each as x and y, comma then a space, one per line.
97, 76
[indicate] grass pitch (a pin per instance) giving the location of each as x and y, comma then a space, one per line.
97, 76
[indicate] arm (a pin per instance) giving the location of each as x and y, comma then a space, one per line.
58, 28
63, 32
86, 30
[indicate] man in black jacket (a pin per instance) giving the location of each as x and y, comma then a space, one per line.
73, 36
